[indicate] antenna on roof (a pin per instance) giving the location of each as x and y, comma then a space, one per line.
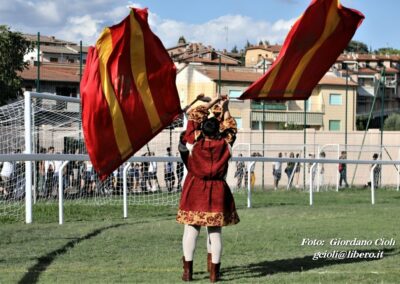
226, 36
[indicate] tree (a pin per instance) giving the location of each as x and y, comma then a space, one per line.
181, 40
392, 122
357, 47
234, 49
388, 50
13, 47
248, 44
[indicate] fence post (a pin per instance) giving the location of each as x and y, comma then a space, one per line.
312, 182
28, 164
249, 184
61, 194
373, 184
125, 189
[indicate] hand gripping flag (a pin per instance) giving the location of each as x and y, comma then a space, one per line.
313, 44
128, 92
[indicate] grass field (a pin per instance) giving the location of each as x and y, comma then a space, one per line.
97, 246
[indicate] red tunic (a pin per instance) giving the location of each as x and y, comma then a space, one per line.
206, 199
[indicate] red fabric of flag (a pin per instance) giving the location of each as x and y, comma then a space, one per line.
312, 46
128, 92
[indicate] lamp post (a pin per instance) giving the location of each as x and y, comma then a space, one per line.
346, 100
263, 130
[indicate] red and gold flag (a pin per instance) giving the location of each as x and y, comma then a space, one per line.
312, 46
128, 92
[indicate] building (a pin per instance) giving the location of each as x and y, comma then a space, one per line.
60, 66
256, 54
325, 110
377, 77
185, 53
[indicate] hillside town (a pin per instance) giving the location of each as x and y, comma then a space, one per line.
349, 87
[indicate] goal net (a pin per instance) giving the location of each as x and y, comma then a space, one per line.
56, 130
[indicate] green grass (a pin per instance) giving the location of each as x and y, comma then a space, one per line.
97, 246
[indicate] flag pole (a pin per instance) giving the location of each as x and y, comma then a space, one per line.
382, 111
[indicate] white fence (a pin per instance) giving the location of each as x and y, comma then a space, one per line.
45, 120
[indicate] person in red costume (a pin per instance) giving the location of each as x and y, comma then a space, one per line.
206, 199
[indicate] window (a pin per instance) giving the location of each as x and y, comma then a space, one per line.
334, 125
335, 99
239, 122
308, 105
255, 125
234, 94
53, 59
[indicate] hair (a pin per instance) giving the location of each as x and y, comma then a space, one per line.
375, 156
210, 127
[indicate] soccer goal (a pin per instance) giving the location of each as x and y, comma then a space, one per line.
48, 127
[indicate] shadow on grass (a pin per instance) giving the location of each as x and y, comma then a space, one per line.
33, 274
265, 268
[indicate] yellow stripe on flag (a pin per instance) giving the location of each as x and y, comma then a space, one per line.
139, 73
270, 81
104, 48
332, 21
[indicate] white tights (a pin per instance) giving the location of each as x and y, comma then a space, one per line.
214, 242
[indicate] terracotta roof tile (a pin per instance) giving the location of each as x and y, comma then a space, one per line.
367, 71
231, 76
53, 72
336, 81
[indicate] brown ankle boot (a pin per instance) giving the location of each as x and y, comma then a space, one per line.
187, 270
214, 273
208, 262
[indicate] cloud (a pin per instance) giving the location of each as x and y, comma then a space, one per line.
83, 28
222, 32
76, 20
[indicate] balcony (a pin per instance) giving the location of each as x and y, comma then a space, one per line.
366, 91
268, 106
289, 117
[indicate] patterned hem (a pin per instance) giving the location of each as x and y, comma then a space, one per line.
200, 218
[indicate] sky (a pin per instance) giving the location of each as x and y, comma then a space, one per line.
222, 24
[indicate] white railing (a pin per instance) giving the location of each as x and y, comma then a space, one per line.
29, 158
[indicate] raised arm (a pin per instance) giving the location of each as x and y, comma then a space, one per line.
201, 97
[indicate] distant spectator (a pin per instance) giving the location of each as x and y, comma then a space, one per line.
297, 167
289, 170
377, 171
277, 172
179, 172
169, 175
322, 155
239, 174
144, 174
153, 180
252, 167
49, 167
6, 173
42, 174
343, 170
136, 176
313, 172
